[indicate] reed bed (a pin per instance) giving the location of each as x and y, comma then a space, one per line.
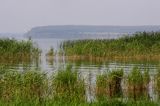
68, 86
11, 49
157, 82
144, 45
17, 87
138, 84
109, 84
35, 88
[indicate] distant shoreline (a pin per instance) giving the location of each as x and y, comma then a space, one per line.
78, 31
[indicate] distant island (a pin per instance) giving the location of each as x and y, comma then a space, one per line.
87, 31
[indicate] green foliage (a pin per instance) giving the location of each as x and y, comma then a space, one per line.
19, 50
34, 85
157, 80
135, 45
138, 84
146, 77
135, 78
50, 52
10, 83
33, 88
68, 87
109, 84
22, 87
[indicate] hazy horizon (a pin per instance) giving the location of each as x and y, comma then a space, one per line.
20, 16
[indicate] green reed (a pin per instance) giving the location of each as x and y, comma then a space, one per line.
65, 87
157, 82
139, 45
109, 84
68, 86
23, 87
50, 56
138, 83
11, 49
50, 52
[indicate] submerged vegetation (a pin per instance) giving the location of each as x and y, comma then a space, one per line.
139, 46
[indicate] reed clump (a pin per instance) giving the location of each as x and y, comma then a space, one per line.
68, 87
50, 52
11, 49
10, 83
157, 82
50, 56
109, 84
24, 87
35, 85
138, 83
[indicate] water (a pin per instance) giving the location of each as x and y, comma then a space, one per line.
87, 66
88, 70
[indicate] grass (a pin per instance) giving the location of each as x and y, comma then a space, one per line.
35, 88
138, 83
138, 46
68, 86
109, 84
27, 86
157, 82
50, 56
11, 49
50, 52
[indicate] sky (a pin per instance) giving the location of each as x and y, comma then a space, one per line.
20, 16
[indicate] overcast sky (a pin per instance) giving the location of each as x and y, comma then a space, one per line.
22, 15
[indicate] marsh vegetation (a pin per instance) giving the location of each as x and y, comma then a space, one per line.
138, 84
138, 46
67, 85
17, 51
109, 84
50, 55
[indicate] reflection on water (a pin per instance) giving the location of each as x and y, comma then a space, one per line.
88, 70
